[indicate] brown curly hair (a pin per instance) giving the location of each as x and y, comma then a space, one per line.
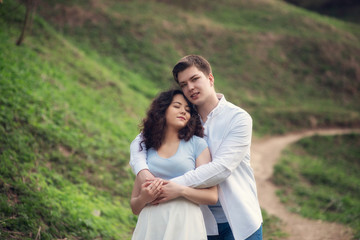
153, 126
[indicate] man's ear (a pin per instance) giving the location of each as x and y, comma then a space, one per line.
212, 79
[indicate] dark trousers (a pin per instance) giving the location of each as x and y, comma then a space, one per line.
225, 233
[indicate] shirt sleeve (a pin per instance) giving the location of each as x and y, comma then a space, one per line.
231, 152
137, 156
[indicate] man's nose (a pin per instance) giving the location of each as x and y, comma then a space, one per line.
190, 86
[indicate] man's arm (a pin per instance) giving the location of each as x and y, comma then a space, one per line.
229, 155
204, 196
138, 160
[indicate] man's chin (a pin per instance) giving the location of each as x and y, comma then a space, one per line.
194, 100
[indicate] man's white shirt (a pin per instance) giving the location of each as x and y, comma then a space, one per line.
228, 131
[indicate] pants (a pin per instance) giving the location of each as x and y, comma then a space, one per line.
225, 233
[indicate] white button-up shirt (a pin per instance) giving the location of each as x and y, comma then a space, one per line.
228, 131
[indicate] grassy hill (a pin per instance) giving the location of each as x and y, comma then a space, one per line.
72, 95
289, 67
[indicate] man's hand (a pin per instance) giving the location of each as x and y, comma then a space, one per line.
170, 190
145, 175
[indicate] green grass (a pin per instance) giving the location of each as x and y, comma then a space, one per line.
65, 129
269, 58
72, 95
319, 179
272, 227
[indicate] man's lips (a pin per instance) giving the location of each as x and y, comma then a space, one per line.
194, 95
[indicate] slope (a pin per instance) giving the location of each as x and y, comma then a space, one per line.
287, 66
65, 125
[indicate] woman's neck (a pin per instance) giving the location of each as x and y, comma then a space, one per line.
170, 144
171, 136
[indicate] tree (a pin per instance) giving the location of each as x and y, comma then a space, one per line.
30, 8
321, 4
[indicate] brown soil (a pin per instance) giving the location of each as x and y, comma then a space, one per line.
265, 153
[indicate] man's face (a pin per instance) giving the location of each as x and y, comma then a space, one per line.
196, 86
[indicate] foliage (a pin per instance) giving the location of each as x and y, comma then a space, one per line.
272, 227
64, 141
319, 179
272, 59
345, 10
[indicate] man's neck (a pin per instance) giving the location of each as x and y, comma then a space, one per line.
207, 107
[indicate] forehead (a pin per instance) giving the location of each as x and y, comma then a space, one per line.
179, 98
188, 73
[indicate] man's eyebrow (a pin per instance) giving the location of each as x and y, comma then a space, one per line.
193, 76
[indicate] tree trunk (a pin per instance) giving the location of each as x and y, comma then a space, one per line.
27, 21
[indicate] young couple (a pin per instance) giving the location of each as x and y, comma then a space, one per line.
179, 192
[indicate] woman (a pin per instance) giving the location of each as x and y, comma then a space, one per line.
172, 134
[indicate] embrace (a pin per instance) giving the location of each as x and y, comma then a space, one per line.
192, 164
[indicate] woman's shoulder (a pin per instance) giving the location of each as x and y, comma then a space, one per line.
197, 140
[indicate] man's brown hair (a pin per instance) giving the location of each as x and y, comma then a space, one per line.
191, 60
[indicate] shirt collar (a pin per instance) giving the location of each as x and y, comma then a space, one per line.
219, 106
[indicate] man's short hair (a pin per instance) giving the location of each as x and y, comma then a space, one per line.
191, 60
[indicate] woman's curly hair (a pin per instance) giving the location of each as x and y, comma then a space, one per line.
153, 126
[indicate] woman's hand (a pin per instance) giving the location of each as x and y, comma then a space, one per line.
150, 190
170, 190
144, 193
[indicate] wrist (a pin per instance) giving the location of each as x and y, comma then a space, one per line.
142, 199
184, 191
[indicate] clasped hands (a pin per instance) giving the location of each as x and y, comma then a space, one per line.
158, 190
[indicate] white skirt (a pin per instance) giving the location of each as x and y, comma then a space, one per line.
178, 219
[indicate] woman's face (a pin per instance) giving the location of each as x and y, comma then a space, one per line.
178, 113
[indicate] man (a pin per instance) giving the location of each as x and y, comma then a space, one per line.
228, 131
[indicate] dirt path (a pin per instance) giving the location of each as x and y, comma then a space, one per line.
265, 153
